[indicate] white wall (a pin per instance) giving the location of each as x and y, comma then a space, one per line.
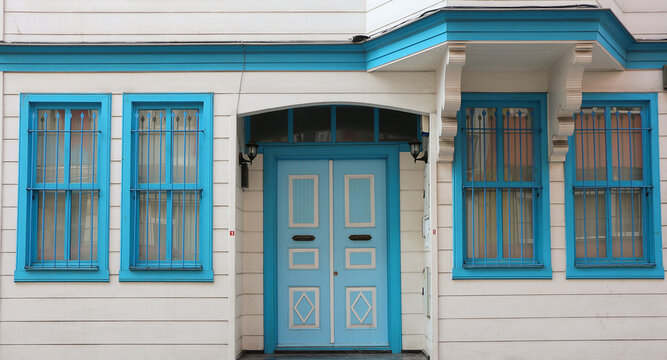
567, 319
168, 320
384, 14
189, 21
412, 252
117, 320
644, 19
252, 253
264, 20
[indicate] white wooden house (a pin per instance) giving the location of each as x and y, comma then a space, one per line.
471, 179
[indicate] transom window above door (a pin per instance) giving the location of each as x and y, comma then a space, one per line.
333, 124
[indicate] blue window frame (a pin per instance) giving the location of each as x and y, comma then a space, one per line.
612, 201
167, 184
501, 200
63, 199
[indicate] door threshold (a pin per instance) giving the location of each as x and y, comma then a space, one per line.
334, 355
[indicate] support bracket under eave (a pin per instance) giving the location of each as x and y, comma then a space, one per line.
565, 96
449, 98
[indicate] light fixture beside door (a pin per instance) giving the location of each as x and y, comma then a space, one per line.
245, 160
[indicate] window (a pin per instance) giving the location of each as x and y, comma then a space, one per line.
501, 170
613, 220
334, 124
167, 182
63, 205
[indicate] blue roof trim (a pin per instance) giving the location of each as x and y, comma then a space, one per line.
445, 25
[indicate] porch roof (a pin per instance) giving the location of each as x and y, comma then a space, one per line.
513, 37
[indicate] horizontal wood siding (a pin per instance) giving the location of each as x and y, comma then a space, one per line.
567, 319
191, 320
262, 21
645, 19
155, 20
251, 289
412, 251
127, 320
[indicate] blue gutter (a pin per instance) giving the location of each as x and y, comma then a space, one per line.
442, 26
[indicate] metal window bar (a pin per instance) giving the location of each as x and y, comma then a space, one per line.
478, 125
57, 184
167, 189
611, 249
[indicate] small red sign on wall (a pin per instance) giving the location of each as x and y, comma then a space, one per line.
231, 232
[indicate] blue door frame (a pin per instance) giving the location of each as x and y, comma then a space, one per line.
279, 152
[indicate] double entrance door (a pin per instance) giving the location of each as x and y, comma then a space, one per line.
331, 254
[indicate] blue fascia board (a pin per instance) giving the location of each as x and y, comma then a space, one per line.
599, 25
411, 39
647, 55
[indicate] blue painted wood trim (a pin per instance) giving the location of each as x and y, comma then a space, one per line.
341, 151
649, 104
599, 25
205, 101
542, 222
103, 103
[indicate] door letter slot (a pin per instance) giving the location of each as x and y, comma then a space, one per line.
303, 238
360, 237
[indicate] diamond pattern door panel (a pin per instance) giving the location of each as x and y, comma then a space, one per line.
304, 307
360, 303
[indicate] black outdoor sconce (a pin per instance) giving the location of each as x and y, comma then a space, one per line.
251, 152
415, 150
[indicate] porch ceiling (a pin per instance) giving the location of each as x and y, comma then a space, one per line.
503, 56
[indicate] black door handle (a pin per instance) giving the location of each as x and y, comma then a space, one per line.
303, 238
360, 237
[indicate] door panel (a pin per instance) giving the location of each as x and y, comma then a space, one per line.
303, 248
312, 195
360, 253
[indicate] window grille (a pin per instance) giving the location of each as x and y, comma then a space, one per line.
501, 186
63, 180
64, 189
166, 190
611, 186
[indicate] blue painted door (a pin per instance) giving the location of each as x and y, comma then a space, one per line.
332, 254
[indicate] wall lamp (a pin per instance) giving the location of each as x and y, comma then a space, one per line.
244, 160
415, 150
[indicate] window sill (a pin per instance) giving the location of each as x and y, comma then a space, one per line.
502, 266
616, 272
61, 275
619, 266
502, 272
170, 275
62, 268
166, 268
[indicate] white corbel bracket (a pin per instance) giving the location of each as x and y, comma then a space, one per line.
449, 98
565, 93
